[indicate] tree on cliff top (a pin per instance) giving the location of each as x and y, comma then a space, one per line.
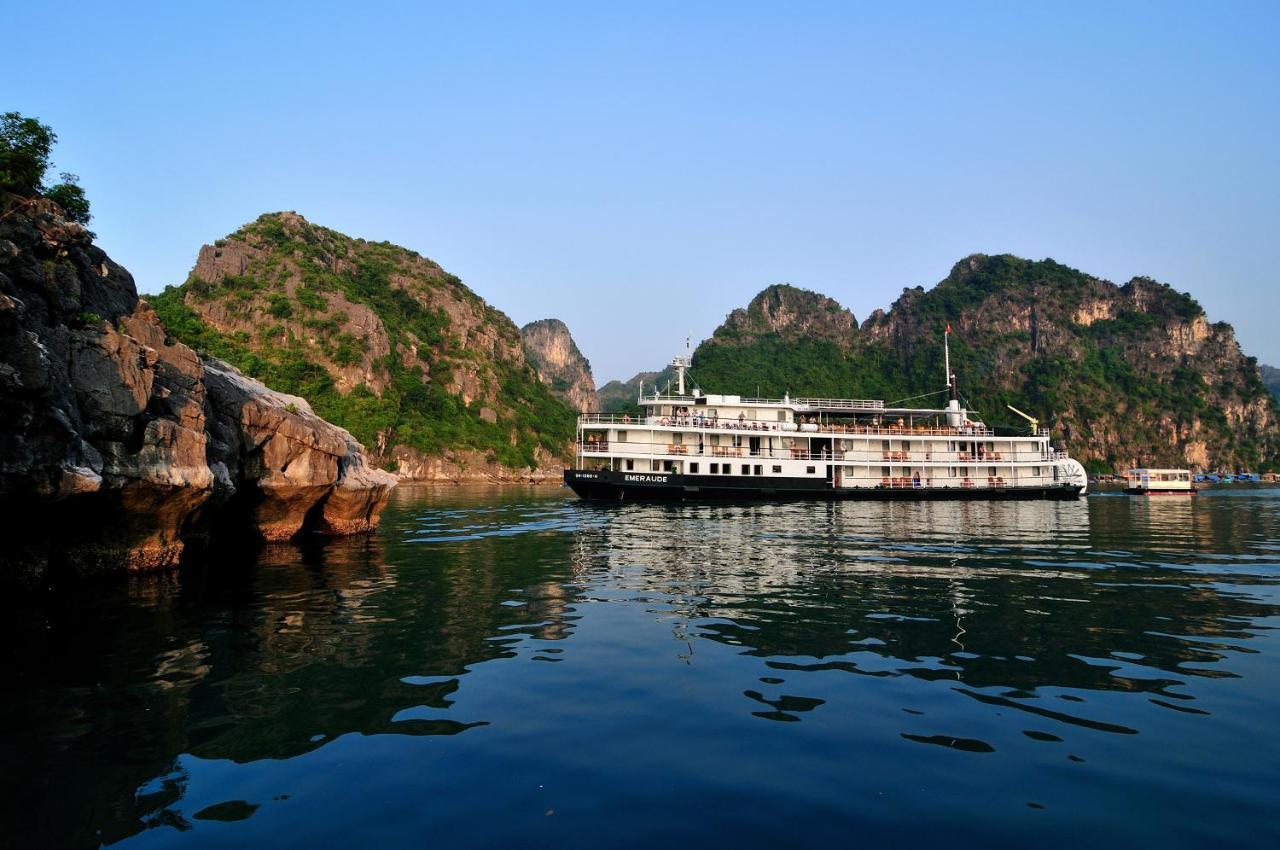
25, 144
24, 153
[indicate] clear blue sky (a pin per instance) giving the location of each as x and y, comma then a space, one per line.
639, 173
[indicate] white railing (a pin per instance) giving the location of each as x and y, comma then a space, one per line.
841, 403
800, 429
856, 456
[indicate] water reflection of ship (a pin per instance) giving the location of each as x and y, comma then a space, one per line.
997, 596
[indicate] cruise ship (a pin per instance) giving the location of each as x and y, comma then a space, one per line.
703, 446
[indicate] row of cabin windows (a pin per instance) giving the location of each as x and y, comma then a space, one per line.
747, 469
963, 471
776, 469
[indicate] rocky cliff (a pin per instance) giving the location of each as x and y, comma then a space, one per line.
1132, 374
121, 444
550, 349
381, 341
791, 311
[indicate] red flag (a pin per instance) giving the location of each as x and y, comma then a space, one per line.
948, 327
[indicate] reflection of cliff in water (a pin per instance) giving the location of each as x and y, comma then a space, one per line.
261, 662
271, 655
1011, 596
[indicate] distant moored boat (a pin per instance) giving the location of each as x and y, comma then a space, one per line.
1159, 482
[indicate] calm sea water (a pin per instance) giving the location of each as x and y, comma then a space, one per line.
501, 668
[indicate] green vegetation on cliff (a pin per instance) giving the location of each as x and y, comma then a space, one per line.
1126, 374
380, 340
25, 145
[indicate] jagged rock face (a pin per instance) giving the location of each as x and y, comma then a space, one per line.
552, 352
299, 462
785, 309
1124, 375
120, 444
380, 339
458, 467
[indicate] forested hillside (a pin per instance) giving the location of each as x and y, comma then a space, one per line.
1123, 374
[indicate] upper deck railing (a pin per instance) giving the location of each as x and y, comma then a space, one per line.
799, 403
839, 403
790, 428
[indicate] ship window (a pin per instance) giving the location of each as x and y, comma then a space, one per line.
809, 470
991, 470
715, 469
622, 436
953, 472
676, 438
884, 445
666, 466
1035, 470
759, 469
693, 467
726, 469
746, 469
631, 464
777, 469
884, 471
782, 416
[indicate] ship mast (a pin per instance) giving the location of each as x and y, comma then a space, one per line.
682, 363
955, 416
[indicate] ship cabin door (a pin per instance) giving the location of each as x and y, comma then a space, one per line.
753, 444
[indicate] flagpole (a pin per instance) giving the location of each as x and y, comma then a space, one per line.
946, 353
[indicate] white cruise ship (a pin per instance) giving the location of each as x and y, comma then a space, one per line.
696, 446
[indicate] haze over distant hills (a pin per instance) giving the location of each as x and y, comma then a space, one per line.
1271, 377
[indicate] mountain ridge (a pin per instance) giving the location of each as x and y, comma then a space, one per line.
1126, 374
381, 340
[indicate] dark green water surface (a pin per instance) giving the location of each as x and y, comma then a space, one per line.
509, 668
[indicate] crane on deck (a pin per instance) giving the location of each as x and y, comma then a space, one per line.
1035, 423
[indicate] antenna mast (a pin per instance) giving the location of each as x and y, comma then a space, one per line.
682, 363
946, 354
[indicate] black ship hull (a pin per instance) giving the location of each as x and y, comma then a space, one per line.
668, 486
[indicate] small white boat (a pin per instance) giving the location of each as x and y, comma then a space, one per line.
1159, 482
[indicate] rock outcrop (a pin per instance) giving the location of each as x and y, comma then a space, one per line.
786, 309
550, 349
121, 444
381, 340
1124, 375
